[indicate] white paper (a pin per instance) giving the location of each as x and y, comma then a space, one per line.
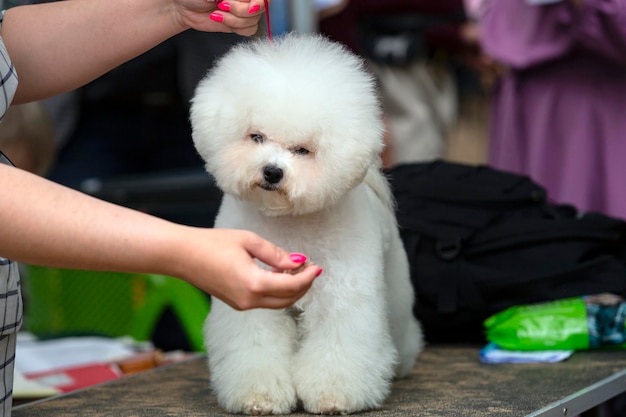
42, 356
492, 353
24, 388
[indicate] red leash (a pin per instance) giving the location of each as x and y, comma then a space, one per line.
267, 20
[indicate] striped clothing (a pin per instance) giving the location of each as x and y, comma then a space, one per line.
10, 294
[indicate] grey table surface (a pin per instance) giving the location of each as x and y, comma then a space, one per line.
447, 381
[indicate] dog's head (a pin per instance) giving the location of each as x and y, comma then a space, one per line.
289, 126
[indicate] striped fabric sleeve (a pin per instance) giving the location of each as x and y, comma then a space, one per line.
10, 292
8, 76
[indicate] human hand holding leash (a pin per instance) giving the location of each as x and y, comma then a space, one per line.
111, 32
238, 16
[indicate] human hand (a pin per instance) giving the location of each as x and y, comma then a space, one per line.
238, 16
224, 265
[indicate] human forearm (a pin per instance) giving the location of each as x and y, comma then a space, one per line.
59, 46
44, 223
47, 224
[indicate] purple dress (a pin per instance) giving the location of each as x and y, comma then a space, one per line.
559, 113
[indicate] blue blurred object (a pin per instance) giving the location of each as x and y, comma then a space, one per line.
279, 17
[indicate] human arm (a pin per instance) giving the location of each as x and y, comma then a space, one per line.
47, 224
60, 46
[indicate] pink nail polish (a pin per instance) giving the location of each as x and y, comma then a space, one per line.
216, 17
254, 9
319, 272
298, 258
224, 6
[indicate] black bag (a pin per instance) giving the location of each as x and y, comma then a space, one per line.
480, 240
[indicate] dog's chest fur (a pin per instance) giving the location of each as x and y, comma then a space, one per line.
341, 239
330, 233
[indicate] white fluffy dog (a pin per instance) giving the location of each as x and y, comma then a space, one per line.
292, 133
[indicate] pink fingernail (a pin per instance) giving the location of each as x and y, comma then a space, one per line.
216, 17
254, 9
298, 258
319, 273
224, 6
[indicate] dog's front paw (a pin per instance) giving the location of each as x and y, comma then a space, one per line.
328, 405
264, 404
260, 403
258, 392
331, 404
342, 382
338, 395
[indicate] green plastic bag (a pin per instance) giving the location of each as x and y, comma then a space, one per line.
570, 324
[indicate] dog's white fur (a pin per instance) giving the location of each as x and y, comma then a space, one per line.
305, 106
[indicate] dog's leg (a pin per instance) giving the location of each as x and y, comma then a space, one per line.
249, 355
346, 359
405, 329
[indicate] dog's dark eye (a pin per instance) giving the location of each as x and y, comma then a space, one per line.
301, 151
257, 137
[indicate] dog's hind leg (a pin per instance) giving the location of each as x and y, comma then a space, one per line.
249, 359
405, 329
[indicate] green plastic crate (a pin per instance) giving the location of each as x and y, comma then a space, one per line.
63, 302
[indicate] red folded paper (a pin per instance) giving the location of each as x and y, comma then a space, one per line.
70, 379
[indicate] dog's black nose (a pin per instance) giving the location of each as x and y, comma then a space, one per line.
272, 174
